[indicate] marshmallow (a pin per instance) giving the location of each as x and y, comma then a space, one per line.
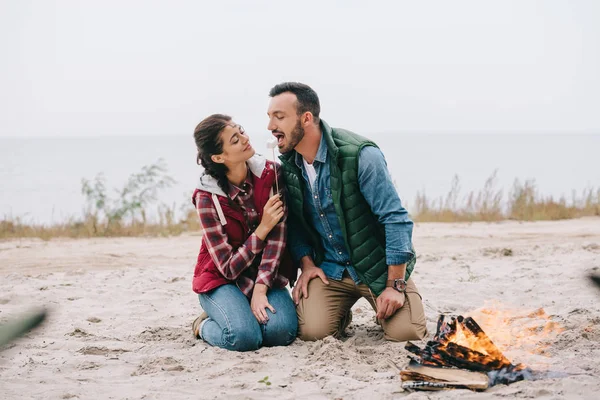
272, 143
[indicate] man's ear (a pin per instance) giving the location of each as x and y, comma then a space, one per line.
218, 158
307, 118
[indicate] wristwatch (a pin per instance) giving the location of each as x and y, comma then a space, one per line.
398, 284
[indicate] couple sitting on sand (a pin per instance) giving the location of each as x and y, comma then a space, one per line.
332, 211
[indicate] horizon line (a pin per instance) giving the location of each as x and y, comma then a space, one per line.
398, 132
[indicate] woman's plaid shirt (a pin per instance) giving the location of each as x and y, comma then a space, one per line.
242, 265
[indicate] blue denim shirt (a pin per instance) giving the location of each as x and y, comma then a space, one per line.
378, 190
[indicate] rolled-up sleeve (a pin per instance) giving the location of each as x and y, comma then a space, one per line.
380, 193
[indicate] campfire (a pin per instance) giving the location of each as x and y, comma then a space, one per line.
461, 355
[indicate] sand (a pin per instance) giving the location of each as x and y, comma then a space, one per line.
121, 310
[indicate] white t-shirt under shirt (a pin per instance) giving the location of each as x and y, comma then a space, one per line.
310, 171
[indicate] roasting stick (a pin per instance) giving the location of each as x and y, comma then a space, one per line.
271, 144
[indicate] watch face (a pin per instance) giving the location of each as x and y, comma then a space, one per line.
400, 284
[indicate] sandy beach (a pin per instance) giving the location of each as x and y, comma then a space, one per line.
121, 310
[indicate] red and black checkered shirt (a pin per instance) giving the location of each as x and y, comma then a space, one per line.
242, 265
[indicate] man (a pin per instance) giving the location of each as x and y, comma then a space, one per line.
348, 229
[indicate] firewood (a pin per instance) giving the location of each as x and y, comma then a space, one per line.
455, 355
446, 327
444, 364
419, 360
413, 348
449, 376
424, 385
463, 357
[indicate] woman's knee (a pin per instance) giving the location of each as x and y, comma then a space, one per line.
280, 330
241, 337
282, 327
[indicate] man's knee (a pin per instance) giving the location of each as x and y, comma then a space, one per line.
314, 325
405, 332
313, 330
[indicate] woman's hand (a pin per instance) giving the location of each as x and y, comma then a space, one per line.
259, 303
272, 214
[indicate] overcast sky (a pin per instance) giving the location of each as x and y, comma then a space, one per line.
89, 68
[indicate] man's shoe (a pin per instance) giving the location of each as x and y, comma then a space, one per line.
344, 323
196, 324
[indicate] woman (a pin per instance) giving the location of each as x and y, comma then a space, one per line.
242, 268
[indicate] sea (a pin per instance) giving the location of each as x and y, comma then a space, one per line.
41, 178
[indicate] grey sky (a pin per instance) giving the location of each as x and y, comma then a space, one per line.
76, 68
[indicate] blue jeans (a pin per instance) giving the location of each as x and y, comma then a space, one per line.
232, 325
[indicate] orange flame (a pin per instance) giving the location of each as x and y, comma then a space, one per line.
530, 331
510, 333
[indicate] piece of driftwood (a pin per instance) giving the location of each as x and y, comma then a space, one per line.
450, 376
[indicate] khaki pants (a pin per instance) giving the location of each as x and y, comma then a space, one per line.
322, 314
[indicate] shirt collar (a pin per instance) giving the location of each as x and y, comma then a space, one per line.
321, 153
234, 191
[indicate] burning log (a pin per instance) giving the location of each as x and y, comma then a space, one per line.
445, 363
462, 357
446, 327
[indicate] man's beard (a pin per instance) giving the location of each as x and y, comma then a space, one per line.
295, 137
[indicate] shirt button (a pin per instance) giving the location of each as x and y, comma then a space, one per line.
339, 252
316, 196
347, 262
330, 236
321, 215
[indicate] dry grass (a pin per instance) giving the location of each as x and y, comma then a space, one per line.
122, 215
126, 215
524, 203
91, 226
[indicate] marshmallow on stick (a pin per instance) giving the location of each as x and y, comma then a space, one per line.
271, 144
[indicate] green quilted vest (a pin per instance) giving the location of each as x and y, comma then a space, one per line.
364, 235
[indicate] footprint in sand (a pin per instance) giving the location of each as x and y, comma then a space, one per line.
152, 366
101, 351
79, 333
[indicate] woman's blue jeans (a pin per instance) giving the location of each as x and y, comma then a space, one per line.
232, 325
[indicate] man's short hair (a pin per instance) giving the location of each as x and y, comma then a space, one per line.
307, 98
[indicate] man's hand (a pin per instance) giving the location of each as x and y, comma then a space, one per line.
309, 272
389, 302
259, 303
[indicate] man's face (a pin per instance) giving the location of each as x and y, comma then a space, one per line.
284, 122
